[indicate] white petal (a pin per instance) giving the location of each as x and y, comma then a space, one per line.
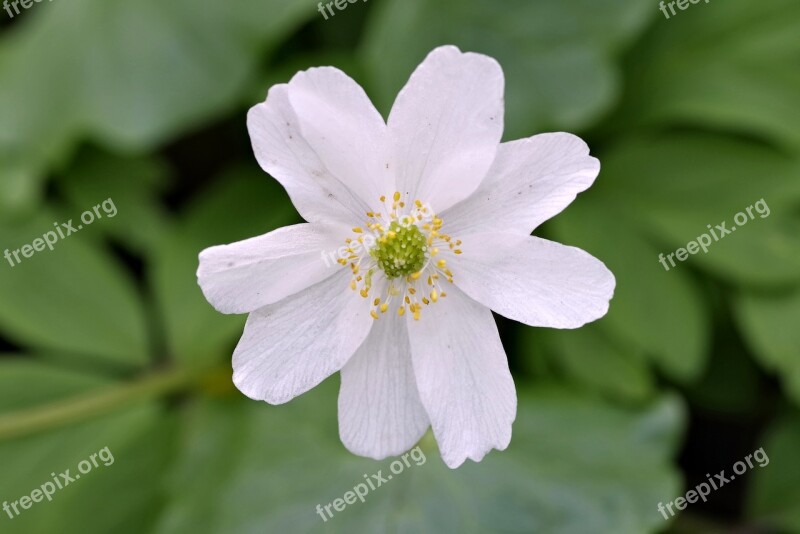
293, 345
250, 274
345, 130
463, 378
532, 280
282, 151
380, 413
530, 181
446, 126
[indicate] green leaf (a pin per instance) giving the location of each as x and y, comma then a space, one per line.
557, 75
74, 299
776, 488
659, 313
131, 183
729, 64
732, 385
769, 324
678, 186
574, 465
120, 494
27, 382
244, 203
589, 358
20, 187
129, 74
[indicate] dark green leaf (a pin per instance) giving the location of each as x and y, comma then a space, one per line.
769, 324
776, 490
74, 299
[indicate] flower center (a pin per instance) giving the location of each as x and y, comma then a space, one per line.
401, 257
401, 251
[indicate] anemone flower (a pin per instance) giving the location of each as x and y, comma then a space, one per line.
418, 228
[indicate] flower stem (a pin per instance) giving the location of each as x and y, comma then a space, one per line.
60, 413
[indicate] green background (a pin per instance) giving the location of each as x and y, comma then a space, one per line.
108, 341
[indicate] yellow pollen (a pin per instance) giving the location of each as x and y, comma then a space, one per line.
404, 254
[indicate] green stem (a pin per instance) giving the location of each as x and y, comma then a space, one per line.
61, 413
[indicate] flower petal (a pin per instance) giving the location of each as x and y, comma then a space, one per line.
380, 413
446, 125
463, 378
344, 129
250, 274
530, 181
283, 152
532, 280
291, 346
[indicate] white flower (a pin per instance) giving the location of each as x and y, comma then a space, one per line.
449, 211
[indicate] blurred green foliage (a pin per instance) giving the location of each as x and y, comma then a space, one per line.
109, 342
